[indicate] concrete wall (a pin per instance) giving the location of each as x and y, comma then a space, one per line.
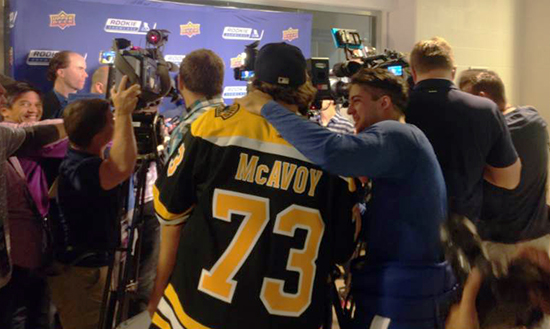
483, 33
534, 59
384, 5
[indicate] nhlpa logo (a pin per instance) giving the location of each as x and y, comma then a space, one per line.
62, 20
234, 92
127, 26
190, 29
291, 34
40, 57
241, 33
13, 18
237, 61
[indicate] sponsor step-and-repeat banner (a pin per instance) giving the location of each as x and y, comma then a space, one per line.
41, 28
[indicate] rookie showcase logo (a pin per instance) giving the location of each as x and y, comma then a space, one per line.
12, 19
62, 20
234, 92
127, 26
40, 57
176, 59
190, 29
291, 34
241, 33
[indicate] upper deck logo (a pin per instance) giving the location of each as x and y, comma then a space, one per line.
241, 33
62, 20
237, 61
190, 29
291, 34
40, 57
127, 26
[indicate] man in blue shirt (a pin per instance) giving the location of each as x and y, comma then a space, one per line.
329, 116
510, 218
403, 280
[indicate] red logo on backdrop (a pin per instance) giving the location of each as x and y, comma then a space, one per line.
190, 29
62, 20
236, 61
291, 34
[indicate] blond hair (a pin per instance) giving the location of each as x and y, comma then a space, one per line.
433, 54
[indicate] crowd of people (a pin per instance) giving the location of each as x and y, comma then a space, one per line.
257, 203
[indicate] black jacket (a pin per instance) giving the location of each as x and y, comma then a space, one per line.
51, 105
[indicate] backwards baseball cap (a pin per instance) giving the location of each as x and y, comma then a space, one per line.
280, 64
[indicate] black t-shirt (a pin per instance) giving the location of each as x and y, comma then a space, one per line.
510, 216
467, 132
88, 212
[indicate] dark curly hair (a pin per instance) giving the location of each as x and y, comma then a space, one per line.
380, 82
301, 96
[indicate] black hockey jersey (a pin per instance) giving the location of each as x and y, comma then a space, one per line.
263, 227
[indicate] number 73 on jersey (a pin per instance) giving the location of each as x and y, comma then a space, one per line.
219, 282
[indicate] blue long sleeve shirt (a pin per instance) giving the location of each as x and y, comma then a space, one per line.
408, 201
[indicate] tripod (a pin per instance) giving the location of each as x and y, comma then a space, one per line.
115, 304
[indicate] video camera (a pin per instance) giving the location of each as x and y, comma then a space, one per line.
245, 72
147, 68
359, 56
334, 84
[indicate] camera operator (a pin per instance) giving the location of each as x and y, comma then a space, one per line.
67, 71
200, 82
468, 133
510, 218
89, 203
330, 117
408, 203
248, 200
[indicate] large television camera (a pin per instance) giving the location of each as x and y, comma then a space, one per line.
334, 84
357, 57
147, 68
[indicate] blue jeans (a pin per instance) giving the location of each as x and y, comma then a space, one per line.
25, 301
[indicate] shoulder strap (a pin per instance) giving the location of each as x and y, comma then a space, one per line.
14, 162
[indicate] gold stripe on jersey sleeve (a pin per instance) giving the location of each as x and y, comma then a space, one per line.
352, 186
185, 319
160, 323
163, 213
243, 129
240, 123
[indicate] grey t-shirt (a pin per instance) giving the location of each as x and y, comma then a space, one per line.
10, 140
510, 216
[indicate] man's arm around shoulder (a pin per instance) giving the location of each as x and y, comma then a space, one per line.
507, 177
122, 157
503, 167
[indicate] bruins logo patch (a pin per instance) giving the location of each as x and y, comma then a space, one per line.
227, 112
